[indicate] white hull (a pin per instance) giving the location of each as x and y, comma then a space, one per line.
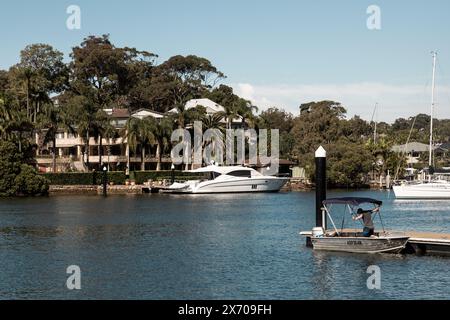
268, 184
423, 191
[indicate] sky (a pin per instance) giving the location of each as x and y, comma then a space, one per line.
275, 53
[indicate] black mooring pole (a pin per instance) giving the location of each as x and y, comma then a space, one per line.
321, 184
105, 180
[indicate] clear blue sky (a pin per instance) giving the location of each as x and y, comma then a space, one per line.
278, 53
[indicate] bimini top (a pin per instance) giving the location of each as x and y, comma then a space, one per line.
352, 201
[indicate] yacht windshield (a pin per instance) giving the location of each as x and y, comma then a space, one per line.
213, 175
240, 173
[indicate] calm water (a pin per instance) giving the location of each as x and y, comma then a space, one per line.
203, 247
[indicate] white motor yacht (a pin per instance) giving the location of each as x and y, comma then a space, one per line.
434, 189
229, 179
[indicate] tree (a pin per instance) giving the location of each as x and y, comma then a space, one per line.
229, 114
161, 131
43, 72
348, 164
139, 132
104, 73
179, 79
234, 105
275, 118
83, 115
319, 123
50, 122
213, 122
16, 176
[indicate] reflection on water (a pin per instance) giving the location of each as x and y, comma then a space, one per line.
203, 247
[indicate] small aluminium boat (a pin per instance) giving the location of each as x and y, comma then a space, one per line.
349, 240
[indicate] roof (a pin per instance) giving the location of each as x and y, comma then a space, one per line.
120, 113
354, 201
210, 106
410, 147
144, 113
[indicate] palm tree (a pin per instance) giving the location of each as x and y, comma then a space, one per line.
185, 116
100, 125
110, 134
161, 132
50, 122
13, 123
246, 110
213, 121
139, 132
84, 114
27, 74
229, 114
181, 115
146, 137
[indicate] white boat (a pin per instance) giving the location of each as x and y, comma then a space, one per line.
427, 189
229, 179
434, 189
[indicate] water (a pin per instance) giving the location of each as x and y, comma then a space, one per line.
204, 247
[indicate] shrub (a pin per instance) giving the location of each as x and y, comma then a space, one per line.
28, 182
70, 178
85, 178
17, 178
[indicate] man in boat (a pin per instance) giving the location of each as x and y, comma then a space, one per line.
366, 216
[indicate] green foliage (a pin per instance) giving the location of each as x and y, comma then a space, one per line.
85, 178
28, 182
350, 157
348, 164
16, 177
70, 178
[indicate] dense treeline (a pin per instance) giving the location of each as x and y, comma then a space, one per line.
44, 94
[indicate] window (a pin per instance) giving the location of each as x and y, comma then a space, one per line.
241, 173
213, 175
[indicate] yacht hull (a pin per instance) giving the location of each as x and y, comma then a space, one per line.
235, 186
422, 191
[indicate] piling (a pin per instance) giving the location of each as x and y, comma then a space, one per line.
105, 181
321, 185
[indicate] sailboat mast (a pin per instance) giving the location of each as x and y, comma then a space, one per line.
430, 162
375, 129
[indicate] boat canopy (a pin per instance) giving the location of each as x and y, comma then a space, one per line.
354, 201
